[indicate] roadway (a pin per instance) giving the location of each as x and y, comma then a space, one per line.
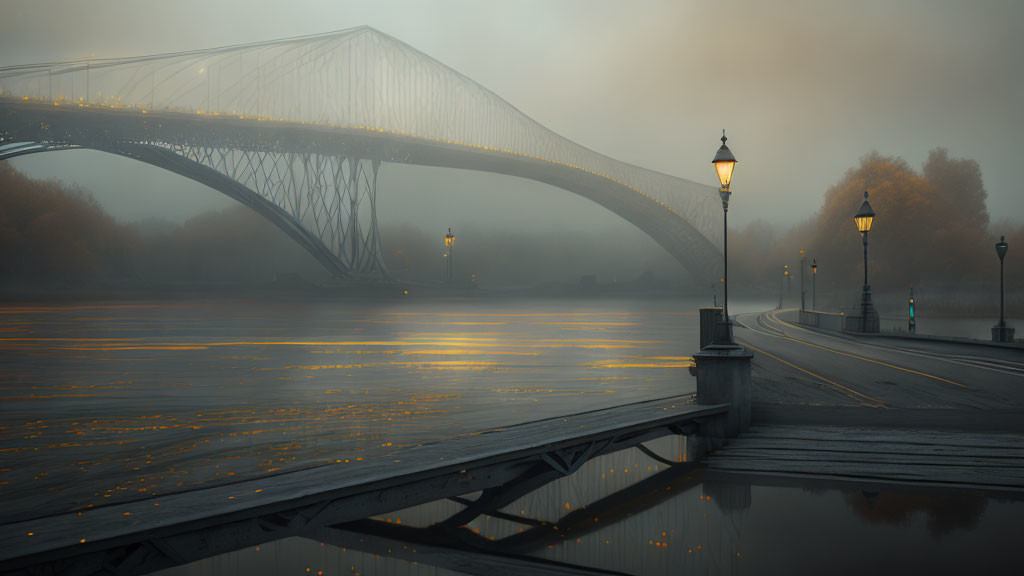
906, 382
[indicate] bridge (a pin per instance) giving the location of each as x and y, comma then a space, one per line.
298, 130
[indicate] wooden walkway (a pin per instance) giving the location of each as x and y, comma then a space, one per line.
868, 454
150, 534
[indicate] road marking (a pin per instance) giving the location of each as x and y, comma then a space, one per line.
879, 362
990, 364
879, 403
764, 324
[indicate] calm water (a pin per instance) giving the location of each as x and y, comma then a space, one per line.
113, 402
628, 513
110, 402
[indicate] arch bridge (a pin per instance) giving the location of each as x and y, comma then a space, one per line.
298, 130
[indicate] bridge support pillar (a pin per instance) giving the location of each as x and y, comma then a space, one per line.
723, 377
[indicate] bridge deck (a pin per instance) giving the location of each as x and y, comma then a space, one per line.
938, 457
153, 533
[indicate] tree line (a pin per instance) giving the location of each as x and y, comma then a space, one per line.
932, 230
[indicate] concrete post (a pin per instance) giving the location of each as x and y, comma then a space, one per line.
723, 377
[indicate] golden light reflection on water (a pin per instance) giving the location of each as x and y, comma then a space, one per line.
244, 389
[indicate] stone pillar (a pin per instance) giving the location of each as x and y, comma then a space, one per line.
723, 377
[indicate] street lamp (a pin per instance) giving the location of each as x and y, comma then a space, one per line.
449, 245
782, 284
803, 296
1000, 333
814, 284
724, 164
863, 219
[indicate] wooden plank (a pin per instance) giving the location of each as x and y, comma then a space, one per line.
875, 457
992, 420
451, 462
859, 434
999, 477
933, 456
826, 445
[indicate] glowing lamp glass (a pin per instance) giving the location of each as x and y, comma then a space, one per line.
724, 169
863, 223
724, 163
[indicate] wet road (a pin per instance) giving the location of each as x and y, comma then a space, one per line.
797, 366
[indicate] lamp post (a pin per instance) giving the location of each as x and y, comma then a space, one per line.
814, 284
449, 245
722, 368
782, 285
803, 296
724, 164
863, 219
789, 283
1000, 332
911, 313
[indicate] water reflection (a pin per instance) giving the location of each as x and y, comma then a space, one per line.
629, 513
945, 511
109, 403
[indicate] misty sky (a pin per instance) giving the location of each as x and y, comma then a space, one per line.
805, 88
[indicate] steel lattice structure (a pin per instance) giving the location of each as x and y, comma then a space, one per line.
302, 124
324, 193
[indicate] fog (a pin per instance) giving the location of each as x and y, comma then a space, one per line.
931, 230
805, 88
53, 236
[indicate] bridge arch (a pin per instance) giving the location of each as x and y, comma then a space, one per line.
684, 242
168, 160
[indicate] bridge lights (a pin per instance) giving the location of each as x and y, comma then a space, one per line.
1000, 332
868, 316
724, 164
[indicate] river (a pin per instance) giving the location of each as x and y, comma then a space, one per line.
107, 402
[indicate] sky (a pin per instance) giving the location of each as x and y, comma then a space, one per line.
804, 88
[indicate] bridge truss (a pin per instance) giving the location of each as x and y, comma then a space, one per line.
333, 197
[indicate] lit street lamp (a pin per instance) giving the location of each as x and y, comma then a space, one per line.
814, 284
724, 164
722, 368
1000, 332
782, 284
868, 316
449, 245
803, 259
